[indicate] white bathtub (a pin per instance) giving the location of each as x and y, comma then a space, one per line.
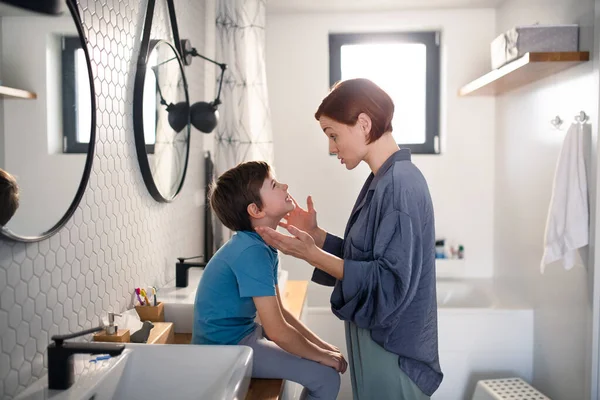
483, 333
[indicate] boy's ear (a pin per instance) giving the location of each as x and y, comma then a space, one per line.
254, 211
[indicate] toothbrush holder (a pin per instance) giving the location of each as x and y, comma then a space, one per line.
151, 313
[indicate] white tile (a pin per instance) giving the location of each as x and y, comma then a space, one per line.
17, 357
21, 292
11, 383
22, 333
51, 297
26, 269
62, 292
35, 326
25, 374
9, 340
4, 365
30, 349
33, 288
28, 309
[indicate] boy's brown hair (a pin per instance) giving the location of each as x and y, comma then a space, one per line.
233, 191
9, 196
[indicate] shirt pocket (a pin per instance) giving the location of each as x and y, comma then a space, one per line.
355, 252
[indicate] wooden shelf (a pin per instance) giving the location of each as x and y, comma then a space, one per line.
522, 71
13, 93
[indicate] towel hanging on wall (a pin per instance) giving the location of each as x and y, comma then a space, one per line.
567, 226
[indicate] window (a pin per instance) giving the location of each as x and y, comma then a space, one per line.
77, 117
407, 66
77, 113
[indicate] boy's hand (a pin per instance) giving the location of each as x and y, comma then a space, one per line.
334, 360
328, 346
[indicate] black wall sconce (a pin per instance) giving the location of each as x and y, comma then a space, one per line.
203, 116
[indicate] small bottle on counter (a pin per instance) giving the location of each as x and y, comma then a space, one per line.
453, 252
440, 248
461, 252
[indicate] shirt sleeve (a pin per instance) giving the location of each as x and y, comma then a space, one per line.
255, 272
373, 293
333, 245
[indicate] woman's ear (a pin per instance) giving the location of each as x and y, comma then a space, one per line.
254, 211
365, 124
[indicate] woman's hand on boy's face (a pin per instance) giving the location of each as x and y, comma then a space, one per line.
300, 245
305, 220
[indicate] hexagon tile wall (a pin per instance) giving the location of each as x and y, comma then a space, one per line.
119, 237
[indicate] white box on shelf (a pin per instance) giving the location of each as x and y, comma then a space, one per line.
534, 38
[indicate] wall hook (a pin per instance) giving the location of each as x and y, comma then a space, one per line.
557, 122
582, 117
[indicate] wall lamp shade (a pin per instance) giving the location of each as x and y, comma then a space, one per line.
178, 115
204, 116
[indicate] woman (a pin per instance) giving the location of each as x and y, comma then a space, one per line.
384, 268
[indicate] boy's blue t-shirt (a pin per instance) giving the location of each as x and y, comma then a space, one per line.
243, 268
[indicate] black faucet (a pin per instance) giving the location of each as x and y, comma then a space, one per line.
181, 270
61, 371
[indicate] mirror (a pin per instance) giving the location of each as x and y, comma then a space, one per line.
161, 116
47, 105
163, 134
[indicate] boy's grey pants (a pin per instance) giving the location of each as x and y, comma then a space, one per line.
272, 362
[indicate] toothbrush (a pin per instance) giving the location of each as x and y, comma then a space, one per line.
143, 292
154, 294
137, 293
100, 358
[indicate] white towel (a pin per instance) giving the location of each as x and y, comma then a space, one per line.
567, 226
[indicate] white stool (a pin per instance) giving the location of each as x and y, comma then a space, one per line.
506, 389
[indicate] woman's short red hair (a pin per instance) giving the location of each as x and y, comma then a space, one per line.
348, 99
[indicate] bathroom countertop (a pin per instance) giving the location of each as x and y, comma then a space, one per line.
162, 333
170, 294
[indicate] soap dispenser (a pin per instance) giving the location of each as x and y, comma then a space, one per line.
111, 332
111, 328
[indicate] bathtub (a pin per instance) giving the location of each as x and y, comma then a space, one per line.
484, 332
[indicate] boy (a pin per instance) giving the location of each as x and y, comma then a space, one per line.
241, 279
9, 197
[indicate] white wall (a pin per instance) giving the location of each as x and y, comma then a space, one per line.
48, 179
527, 147
461, 179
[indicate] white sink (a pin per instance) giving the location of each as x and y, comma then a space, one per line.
145, 371
179, 302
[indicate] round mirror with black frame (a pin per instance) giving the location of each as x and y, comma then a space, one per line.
161, 117
47, 103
